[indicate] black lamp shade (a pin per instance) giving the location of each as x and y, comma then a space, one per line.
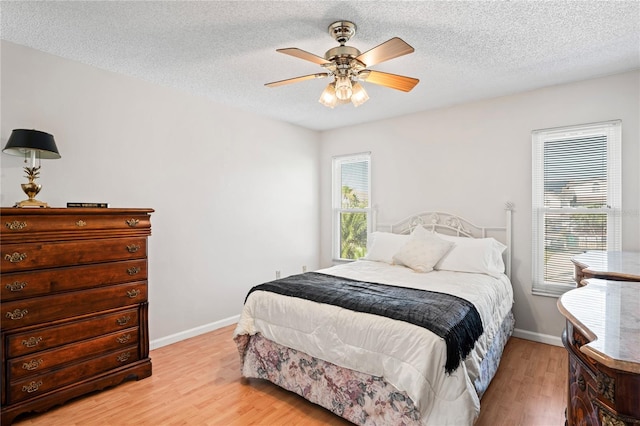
23, 141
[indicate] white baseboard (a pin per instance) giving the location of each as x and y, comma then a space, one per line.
183, 335
538, 337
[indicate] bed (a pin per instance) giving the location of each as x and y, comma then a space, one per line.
356, 338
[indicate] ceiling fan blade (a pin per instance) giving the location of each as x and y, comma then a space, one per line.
394, 81
302, 54
388, 50
297, 79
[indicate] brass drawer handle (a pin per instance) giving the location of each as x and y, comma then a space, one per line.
606, 386
133, 293
132, 222
124, 357
133, 271
124, 338
32, 342
123, 320
16, 286
581, 383
17, 314
133, 248
15, 257
81, 223
34, 364
16, 225
32, 387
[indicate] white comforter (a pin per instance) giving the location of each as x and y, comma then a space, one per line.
409, 357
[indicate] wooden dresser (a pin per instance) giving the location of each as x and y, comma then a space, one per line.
609, 265
602, 338
74, 303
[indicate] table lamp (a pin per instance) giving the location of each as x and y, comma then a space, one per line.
31, 144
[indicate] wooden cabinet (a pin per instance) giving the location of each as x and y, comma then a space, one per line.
74, 310
602, 338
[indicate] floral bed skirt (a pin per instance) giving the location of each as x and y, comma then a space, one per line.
489, 365
360, 398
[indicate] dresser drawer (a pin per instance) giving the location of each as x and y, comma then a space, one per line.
81, 222
582, 391
47, 360
22, 389
50, 337
23, 257
19, 285
36, 310
576, 342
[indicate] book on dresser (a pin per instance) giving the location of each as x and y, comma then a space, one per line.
74, 303
85, 204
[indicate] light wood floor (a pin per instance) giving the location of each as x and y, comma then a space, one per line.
197, 382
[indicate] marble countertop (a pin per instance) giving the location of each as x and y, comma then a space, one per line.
625, 264
608, 314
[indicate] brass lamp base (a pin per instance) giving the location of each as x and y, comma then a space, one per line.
31, 203
31, 189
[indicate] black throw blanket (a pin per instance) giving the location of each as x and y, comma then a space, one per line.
454, 319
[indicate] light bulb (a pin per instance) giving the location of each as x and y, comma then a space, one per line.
359, 95
328, 97
343, 88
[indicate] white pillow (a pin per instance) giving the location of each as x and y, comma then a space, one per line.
422, 252
478, 255
419, 231
381, 246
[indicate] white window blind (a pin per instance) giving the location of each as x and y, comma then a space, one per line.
576, 199
351, 205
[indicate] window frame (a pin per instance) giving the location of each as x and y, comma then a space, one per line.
613, 132
336, 200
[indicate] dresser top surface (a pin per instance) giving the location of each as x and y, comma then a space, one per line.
620, 263
28, 211
608, 313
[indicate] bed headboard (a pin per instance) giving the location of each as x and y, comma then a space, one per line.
451, 224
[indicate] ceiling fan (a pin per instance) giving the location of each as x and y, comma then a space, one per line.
348, 66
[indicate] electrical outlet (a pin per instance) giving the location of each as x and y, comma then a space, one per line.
277, 275
304, 268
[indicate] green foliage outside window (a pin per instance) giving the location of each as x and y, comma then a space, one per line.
353, 225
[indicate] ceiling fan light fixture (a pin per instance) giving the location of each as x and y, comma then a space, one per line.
359, 95
344, 90
348, 66
328, 97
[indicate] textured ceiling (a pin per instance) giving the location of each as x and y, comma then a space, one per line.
226, 50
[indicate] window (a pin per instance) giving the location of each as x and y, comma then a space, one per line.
351, 205
576, 199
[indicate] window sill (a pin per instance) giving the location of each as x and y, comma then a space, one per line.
551, 290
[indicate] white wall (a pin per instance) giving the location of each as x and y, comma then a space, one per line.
471, 159
229, 186
235, 194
